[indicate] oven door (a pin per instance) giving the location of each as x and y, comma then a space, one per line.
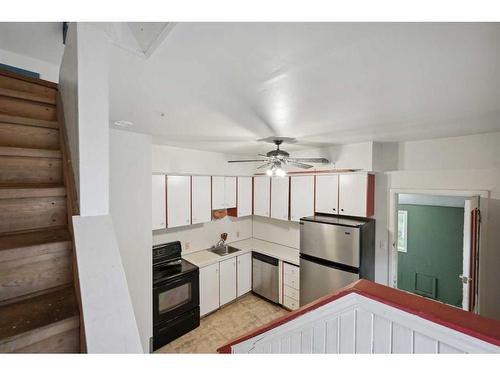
175, 297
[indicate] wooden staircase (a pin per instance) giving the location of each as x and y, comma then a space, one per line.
38, 305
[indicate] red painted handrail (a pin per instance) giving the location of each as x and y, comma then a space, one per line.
474, 325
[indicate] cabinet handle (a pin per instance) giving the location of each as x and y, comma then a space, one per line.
334, 209
341, 209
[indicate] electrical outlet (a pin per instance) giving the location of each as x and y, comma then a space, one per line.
187, 246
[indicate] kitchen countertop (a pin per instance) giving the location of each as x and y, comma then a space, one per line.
205, 257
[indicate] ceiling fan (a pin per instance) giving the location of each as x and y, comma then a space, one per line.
276, 160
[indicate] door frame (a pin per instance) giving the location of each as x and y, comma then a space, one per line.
393, 222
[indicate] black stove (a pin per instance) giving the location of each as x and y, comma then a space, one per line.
176, 296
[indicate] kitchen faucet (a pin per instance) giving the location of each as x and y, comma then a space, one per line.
223, 238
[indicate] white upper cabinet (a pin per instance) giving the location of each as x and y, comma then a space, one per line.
244, 203
261, 195
230, 191
356, 194
201, 199
178, 201
223, 192
159, 205
218, 193
280, 197
301, 197
327, 191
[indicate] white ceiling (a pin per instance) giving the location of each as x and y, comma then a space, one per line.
40, 40
222, 86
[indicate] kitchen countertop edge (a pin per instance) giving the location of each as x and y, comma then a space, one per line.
205, 258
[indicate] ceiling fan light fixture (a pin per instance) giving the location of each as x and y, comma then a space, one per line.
280, 172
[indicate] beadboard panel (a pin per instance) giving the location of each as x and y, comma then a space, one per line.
357, 324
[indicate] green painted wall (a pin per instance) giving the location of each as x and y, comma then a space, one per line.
434, 250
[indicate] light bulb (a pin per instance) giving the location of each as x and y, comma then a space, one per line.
280, 172
269, 172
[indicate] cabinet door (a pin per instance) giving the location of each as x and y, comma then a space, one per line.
352, 194
159, 205
301, 197
201, 204
218, 193
244, 196
280, 190
178, 201
327, 189
209, 289
227, 281
244, 271
261, 195
230, 192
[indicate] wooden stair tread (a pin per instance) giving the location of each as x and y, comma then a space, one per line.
36, 312
30, 152
33, 238
12, 191
22, 77
11, 119
27, 96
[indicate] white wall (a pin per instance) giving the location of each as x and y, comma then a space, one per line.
354, 156
167, 159
85, 95
461, 163
130, 194
68, 88
47, 71
93, 118
171, 160
108, 315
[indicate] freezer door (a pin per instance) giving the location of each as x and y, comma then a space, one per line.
334, 243
317, 280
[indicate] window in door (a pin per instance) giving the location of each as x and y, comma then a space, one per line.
402, 230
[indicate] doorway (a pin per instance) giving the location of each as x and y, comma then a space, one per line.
436, 246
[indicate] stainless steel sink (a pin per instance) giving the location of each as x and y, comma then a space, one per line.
224, 250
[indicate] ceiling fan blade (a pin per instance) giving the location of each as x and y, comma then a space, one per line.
300, 165
268, 164
310, 160
246, 161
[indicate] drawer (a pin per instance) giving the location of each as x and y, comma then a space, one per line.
290, 269
290, 303
291, 280
291, 292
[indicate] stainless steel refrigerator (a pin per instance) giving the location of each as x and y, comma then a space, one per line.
334, 252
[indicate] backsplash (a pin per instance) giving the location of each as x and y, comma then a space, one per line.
203, 236
282, 232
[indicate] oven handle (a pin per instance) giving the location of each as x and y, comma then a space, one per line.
173, 280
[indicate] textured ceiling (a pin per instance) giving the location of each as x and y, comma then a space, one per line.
222, 86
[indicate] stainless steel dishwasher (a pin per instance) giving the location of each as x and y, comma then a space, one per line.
265, 276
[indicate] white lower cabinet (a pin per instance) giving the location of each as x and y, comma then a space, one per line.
209, 288
227, 284
291, 286
244, 274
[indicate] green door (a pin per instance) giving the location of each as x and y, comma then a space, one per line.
433, 259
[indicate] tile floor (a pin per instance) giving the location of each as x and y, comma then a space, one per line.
220, 327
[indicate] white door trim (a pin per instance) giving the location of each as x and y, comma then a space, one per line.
393, 212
